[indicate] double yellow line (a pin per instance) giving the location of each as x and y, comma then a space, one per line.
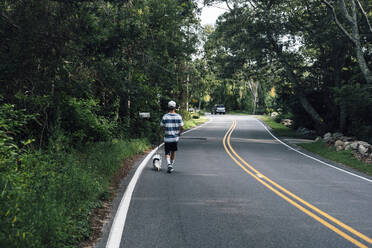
294, 200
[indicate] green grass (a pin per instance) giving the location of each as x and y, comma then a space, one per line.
319, 148
194, 122
47, 199
343, 157
279, 129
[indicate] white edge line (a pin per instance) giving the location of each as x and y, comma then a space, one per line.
117, 227
320, 161
116, 231
197, 127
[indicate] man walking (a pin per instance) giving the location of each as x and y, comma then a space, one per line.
173, 126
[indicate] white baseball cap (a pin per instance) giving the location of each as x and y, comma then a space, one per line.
171, 104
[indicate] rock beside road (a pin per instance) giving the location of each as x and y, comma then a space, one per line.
274, 115
360, 149
339, 143
363, 150
305, 131
287, 122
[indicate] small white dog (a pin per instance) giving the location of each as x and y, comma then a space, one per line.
156, 162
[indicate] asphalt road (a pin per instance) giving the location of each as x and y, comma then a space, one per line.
236, 186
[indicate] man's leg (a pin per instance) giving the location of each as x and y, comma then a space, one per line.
170, 162
168, 158
173, 156
167, 153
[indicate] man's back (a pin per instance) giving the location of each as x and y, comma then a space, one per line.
172, 123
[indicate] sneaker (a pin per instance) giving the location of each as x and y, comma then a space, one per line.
170, 168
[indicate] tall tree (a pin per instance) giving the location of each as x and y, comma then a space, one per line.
351, 15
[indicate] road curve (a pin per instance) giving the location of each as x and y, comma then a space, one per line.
236, 186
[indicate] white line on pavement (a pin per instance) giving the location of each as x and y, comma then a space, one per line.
118, 224
117, 227
197, 127
320, 161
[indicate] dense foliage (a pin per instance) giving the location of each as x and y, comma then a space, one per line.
74, 75
86, 68
46, 198
297, 58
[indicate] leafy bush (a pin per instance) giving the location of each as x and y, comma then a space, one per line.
81, 116
185, 114
46, 198
357, 100
11, 128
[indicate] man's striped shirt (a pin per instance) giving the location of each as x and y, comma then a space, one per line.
172, 124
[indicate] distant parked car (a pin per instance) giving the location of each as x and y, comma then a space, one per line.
218, 109
191, 110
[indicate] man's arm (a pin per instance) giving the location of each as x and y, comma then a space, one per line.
181, 130
181, 127
161, 126
160, 131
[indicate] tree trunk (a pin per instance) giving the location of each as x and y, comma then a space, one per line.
358, 46
343, 117
310, 110
339, 60
319, 122
363, 63
200, 99
354, 37
254, 90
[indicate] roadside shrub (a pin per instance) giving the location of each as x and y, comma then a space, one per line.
11, 180
185, 114
46, 198
12, 122
82, 119
357, 100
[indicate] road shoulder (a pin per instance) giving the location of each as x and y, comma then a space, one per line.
115, 202
291, 142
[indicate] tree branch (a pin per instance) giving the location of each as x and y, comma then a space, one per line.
227, 4
345, 12
365, 15
9, 21
353, 8
330, 6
